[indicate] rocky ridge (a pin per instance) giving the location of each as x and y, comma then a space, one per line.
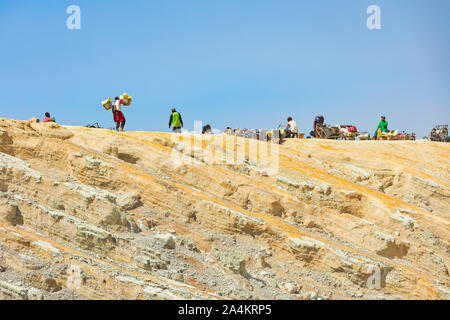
95, 214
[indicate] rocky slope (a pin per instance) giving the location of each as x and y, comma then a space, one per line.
95, 214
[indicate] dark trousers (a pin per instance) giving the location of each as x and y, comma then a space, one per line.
290, 134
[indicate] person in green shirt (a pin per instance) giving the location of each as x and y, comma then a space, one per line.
175, 121
382, 126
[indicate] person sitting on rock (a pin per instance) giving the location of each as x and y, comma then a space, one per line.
207, 129
291, 129
47, 118
229, 131
382, 126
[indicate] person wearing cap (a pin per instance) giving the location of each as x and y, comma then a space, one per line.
175, 121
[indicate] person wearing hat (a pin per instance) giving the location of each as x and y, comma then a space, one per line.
175, 121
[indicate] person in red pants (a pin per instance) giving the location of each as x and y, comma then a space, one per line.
119, 119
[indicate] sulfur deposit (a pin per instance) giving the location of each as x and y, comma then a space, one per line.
96, 214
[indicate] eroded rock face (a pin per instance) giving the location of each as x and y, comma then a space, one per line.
232, 260
51, 130
129, 201
10, 213
167, 240
91, 213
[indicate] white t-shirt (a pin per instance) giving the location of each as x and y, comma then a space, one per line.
117, 106
293, 126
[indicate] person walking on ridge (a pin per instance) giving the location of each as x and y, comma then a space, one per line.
175, 121
119, 119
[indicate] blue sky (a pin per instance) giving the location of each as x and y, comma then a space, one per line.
228, 63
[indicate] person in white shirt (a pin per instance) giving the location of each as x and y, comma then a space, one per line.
291, 129
119, 119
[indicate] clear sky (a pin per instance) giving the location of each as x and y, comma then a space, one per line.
231, 63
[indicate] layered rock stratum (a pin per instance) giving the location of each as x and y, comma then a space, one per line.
96, 214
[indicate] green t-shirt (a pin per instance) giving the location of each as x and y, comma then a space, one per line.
383, 126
